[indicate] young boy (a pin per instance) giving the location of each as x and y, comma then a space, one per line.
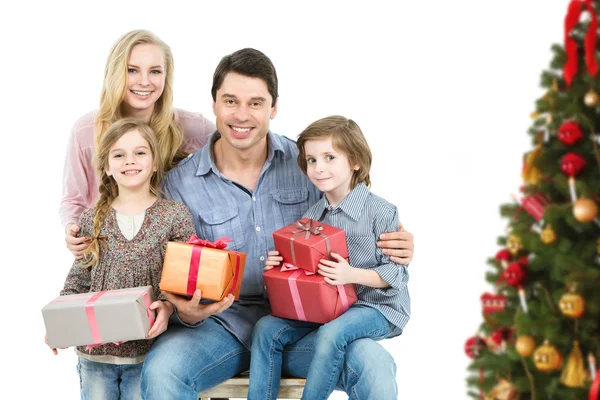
335, 155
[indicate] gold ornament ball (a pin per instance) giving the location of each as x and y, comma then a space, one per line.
513, 244
525, 345
504, 390
547, 358
548, 235
572, 305
591, 98
585, 210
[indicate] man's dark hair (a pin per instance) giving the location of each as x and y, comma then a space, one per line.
247, 62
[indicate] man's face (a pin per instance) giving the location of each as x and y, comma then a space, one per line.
243, 110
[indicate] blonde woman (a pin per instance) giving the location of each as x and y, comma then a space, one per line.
130, 226
138, 82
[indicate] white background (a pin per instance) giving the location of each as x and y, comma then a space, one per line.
442, 89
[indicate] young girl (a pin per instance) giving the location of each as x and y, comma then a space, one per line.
138, 82
337, 159
130, 227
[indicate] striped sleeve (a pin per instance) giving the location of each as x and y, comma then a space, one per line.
386, 220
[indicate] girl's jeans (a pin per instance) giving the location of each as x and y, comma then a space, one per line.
103, 381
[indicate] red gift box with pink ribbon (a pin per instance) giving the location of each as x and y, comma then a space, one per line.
294, 294
109, 316
305, 242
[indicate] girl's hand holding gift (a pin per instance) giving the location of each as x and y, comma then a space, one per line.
336, 272
273, 260
164, 310
55, 351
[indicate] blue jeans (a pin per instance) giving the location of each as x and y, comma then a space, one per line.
184, 361
272, 335
103, 381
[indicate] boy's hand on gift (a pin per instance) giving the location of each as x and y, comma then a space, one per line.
77, 245
55, 351
398, 245
191, 311
164, 309
336, 272
273, 260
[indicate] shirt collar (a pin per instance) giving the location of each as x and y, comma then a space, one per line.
352, 205
207, 162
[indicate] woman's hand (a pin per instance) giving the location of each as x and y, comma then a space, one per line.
77, 245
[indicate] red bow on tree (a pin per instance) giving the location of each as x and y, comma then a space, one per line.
576, 7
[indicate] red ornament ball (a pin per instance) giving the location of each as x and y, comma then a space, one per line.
515, 274
473, 346
570, 133
572, 164
503, 255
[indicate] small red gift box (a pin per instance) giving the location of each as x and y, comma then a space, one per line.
305, 242
295, 295
493, 303
535, 205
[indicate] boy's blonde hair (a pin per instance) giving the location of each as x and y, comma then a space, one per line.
168, 132
108, 188
346, 138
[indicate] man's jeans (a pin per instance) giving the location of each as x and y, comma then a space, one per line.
271, 335
184, 361
109, 381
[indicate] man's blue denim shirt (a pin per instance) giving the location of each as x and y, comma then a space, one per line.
221, 207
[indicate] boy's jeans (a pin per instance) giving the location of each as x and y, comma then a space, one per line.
100, 381
271, 335
184, 361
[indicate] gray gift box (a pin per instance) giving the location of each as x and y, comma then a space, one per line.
100, 317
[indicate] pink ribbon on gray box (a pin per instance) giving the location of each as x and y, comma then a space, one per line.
91, 313
308, 229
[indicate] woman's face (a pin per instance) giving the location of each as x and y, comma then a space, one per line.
146, 76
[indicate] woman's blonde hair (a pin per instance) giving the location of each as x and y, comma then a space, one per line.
168, 132
108, 186
346, 138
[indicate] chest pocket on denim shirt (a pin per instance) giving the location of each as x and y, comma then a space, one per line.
220, 222
293, 203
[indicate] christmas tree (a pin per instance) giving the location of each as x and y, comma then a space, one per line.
540, 335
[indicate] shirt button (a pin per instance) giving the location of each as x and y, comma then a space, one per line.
129, 227
254, 198
262, 258
258, 229
265, 287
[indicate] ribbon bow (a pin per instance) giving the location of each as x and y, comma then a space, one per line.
308, 228
291, 267
220, 243
576, 7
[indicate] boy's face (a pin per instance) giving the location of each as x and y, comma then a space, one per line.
328, 169
243, 111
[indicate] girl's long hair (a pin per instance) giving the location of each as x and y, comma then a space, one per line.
169, 133
108, 186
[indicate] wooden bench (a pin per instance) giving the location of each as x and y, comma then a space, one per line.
290, 388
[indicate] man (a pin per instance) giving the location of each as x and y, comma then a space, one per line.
245, 184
